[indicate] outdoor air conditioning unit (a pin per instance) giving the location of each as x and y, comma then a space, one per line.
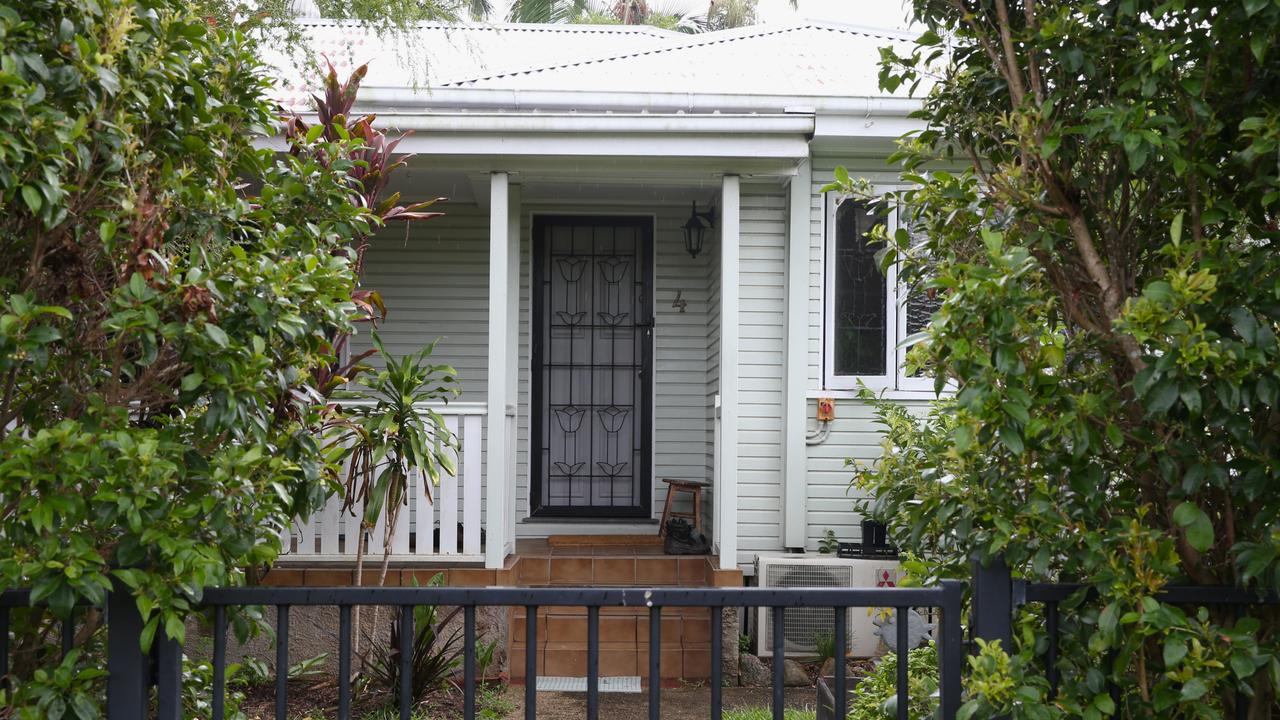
802, 626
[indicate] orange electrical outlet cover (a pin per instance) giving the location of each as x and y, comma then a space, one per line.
826, 409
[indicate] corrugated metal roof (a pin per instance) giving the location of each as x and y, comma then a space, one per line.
436, 54
810, 58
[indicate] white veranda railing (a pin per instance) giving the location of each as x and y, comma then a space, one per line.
446, 526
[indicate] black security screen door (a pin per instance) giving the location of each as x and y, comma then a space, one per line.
592, 366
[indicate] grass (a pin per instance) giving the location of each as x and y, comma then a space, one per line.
492, 703
767, 714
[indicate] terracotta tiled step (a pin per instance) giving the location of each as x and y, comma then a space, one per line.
570, 659
624, 631
606, 571
679, 625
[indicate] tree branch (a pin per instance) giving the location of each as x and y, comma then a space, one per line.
1013, 74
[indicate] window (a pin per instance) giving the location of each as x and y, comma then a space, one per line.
867, 314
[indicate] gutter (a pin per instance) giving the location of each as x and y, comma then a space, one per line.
400, 99
603, 123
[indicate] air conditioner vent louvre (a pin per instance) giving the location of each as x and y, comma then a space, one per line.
803, 626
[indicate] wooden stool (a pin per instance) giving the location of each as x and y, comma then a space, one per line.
694, 488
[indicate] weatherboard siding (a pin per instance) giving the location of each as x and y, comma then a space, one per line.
854, 434
434, 278
761, 353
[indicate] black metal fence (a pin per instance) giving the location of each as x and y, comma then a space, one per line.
997, 596
132, 673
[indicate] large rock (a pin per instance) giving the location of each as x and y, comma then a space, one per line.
794, 674
919, 632
752, 672
828, 668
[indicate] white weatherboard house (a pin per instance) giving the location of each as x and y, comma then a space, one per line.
599, 356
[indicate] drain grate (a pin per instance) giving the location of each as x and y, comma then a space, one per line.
623, 684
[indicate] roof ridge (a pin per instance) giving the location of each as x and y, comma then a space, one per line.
570, 28
710, 38
869, 30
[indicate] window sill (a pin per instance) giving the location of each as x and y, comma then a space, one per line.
886, 394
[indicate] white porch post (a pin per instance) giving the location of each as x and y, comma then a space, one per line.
497, 483
514, 210
794, 454
727, 482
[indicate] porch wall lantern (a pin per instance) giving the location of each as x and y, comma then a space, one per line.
695, 229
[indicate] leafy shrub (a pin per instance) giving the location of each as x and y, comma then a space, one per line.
197, 690
875, 697
437, 652
161, 325
1103, 247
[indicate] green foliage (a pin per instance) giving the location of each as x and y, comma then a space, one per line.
668, 16
389, 437
824, 645
764, 713
1104, 244
829, 544
161, 329
68, 689
875, 697
197, 689
484, 657
393, 21
437, 651
728, 14
390, 433
492, 702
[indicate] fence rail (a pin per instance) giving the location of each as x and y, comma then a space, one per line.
997, 596
445, 526
130, 671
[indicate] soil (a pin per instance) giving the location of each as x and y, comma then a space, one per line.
691, 703
318, 700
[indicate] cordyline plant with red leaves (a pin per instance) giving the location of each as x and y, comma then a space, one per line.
373, 167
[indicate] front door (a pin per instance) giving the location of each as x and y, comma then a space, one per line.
592, 366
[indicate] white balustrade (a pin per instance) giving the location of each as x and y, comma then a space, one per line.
445, 526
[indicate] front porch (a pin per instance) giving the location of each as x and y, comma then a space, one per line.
470, 279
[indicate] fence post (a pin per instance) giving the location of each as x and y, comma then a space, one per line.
128, 668
992, 603
168, 677
951, 649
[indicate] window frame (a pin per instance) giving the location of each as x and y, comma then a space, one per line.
895, 379
905, 381
830, 380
